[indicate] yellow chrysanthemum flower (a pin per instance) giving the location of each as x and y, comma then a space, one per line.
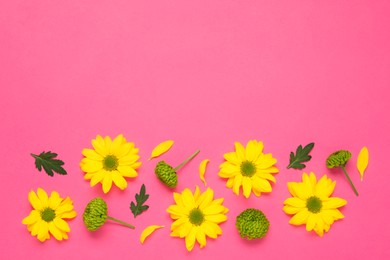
312, 205
250, 168
48, 215
110, 161
196, 216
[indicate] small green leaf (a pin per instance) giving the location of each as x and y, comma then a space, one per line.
301, 156
49, 163
140, 199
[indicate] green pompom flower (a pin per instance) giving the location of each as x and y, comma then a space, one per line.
340, 159
95, 215
252, 224
337, 159
167, 174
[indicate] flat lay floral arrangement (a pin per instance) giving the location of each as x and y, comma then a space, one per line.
196, 212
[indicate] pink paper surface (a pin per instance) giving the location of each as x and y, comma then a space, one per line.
205, 74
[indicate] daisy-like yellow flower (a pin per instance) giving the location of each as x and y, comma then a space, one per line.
48, 214
110, 161
196, 216
312, 205
250, 168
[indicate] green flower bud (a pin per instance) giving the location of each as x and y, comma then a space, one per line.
95, 214
166, 174
252, 224
337, 159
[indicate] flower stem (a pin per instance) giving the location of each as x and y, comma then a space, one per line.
349, 179
186, 160
121, 222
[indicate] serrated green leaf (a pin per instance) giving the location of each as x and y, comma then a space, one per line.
301, 156
49, 163
140, 199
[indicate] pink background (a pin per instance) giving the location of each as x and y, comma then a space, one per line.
205, 74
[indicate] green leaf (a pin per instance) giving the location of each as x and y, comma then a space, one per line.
140, 199
49, 163
301, 156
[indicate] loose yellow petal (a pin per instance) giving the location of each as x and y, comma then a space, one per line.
147, 231
202, 170
161, 148
362, 161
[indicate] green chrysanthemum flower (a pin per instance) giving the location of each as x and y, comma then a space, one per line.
252, 224
340, 159
167, 174
95, 215
337, 159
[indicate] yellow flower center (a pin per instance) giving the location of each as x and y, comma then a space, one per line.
248, 168
314, 204
196, 217
48, 214
110, 162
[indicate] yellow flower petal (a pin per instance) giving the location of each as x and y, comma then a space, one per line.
43, 231
61, 224
201, 237
295, 202
362, 161
35, 202
188, 199
99, 146
206, 198
54, 200
127, 171
311, 222
107, 182
232, 158
55, 231
252, 151
161, 148
246, 186
190, 239
116, 144
32, 218
97, 177
237, 184
291, 209
92, 155
333, 203
240, 151
202, 170
128, 159
299, 218
211, 229
119, 181
216, 218
147, 231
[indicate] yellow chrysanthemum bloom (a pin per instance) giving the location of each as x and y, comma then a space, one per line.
196, 216
110, 161
312, 205
48, 215
250, 168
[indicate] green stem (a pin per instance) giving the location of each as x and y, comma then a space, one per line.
186, 160
121, 222
350, 181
